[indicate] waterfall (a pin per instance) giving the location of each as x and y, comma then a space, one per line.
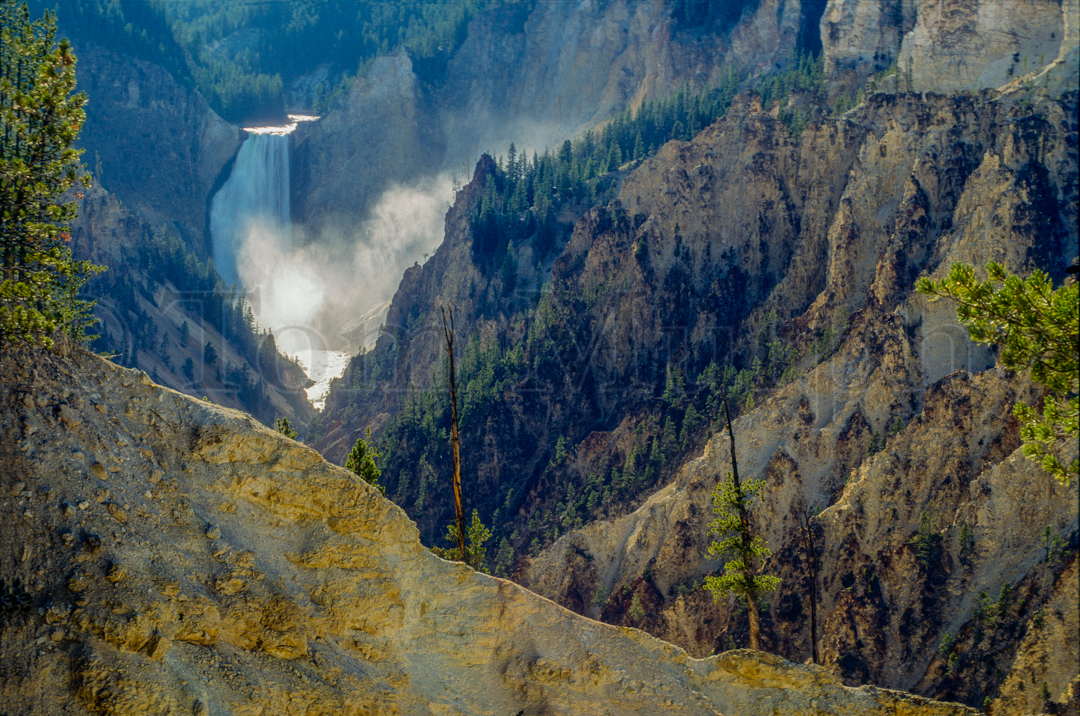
254, 199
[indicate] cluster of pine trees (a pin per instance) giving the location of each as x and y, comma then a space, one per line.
523, 196
136, 29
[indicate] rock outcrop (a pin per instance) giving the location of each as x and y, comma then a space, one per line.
161, 554
567, 67
950, 45
712, 246
153, 142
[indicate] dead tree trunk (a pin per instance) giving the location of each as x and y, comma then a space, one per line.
811, 561
448, 336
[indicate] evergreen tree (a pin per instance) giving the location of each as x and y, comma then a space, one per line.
283, 427
40, 119
361, 461
1038, 329
210, 354
731, 505
475, 551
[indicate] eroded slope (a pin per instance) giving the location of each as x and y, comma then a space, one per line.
179, 558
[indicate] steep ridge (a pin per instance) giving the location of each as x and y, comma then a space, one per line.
732, 247
534, 78
161, 554
922, 184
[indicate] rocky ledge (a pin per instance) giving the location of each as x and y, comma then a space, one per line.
176, 557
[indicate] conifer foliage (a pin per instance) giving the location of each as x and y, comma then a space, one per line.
361, 461
731, 501
1037, 328
40, 119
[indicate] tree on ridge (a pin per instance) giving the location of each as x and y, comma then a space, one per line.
731, 500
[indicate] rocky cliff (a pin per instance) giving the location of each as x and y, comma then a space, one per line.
935, 182
792, 258
153, 142
950, 45
383, 131
567, 67
161, 554
531, 77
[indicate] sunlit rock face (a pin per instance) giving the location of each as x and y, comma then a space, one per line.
174, 557
950, 45
538, 79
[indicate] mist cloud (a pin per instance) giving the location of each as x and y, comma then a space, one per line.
311, 290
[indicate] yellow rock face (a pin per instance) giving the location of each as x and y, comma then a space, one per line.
316, 596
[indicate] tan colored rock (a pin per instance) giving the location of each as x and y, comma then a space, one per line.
863, 37
157, 647
69, 416
874, 195
974, 44
395, 630
119, 513
951, 45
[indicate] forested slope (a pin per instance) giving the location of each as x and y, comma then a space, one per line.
772, 259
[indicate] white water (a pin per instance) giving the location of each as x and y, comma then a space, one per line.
322, 367
251, 232
309, 289
256, 196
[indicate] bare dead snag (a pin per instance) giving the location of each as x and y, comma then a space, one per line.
448, 336
807, 514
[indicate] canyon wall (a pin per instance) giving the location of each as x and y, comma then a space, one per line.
714, 250
950, 45
161, 554
898, 188
153, 142
163, 323
532, 78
